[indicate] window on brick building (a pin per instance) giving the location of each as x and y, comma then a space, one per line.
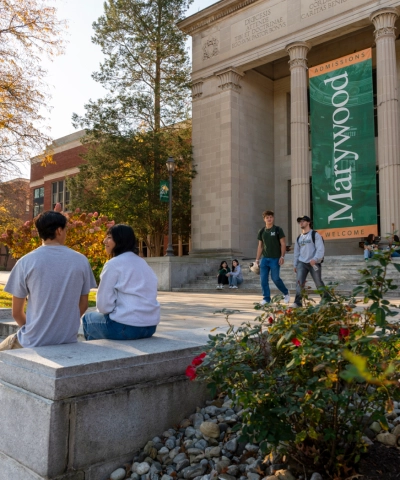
60, 194
38, 201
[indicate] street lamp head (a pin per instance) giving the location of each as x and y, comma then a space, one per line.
170, 164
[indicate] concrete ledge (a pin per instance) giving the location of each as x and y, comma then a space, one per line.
77, 409
173, 272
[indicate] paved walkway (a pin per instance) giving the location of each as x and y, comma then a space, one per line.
186, 310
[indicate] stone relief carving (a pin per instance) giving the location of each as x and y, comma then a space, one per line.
230, 79
210, 48
298, 62
197, 89
385, 32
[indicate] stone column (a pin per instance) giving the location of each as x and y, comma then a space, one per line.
300, 165
388, 118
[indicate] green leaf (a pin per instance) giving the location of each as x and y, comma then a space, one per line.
380, 317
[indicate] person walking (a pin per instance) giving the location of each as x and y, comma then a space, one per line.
235, 277
309, 251
272, 249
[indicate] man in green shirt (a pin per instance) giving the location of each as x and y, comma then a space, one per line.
272, 249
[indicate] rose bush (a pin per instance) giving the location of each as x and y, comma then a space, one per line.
86, 232
311, 379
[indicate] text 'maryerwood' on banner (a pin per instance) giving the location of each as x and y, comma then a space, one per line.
343, 147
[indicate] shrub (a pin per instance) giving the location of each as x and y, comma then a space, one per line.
86, 232
311, 379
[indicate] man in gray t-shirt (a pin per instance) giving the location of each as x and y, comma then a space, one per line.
57, 282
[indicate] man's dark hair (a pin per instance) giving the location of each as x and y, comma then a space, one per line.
124, 238
267, 212
48, 222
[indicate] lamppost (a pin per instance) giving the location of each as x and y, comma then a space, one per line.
170, 167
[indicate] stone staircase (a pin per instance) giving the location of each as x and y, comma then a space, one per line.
343, 270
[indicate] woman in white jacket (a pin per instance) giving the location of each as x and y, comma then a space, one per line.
127, 306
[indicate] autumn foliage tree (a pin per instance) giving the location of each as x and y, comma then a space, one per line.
86, 232
29, 29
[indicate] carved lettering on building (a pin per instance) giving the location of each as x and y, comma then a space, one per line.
309, 8
265, 23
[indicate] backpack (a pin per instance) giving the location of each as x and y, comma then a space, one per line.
313, 232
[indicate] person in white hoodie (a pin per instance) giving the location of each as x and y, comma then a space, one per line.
309, 250
127, 306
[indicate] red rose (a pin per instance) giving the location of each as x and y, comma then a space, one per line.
343, 333
270, 320
198, 360
296, 342
191, 372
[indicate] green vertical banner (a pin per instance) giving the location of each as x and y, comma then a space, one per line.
164, 191
343, 147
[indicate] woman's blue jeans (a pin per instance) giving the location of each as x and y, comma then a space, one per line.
235, 281
97, 326
271, 265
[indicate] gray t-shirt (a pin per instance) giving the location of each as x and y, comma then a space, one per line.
53, 278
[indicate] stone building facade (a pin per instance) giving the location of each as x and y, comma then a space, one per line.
251, 112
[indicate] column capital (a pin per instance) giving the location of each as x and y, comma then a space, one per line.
197, 88
384, 20
298, 54
230, 79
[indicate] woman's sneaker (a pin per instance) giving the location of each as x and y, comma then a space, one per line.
234, 286
286, 299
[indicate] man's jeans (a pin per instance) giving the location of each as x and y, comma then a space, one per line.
302, 271
97, 326
271, 265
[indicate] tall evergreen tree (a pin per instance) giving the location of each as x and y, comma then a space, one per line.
142, 119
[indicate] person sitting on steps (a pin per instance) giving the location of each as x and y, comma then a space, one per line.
222, 278
235, 276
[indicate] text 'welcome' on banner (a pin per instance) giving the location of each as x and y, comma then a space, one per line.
343, 147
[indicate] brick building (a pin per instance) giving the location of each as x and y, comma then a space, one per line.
15, 197
48, 185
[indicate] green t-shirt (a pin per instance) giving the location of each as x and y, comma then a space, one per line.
271, 244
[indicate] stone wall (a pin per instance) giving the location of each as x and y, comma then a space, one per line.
79, 411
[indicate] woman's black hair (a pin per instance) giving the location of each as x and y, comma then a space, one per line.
396, 238
233, 268
223, 261
370, 238
124, 238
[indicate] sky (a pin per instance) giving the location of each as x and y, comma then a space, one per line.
69, 75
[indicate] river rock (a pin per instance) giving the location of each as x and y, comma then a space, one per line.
202, 444
210, 429
252, 448
190, 432
253, 476
387, 439
193, 471
181, 456
142, 468
396, 430
166, 477
182, 464
284, 475
197, 419
118, 474
316, 476
232, 445
171, 443
174, 452
163, 451
225, 476
375, 427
